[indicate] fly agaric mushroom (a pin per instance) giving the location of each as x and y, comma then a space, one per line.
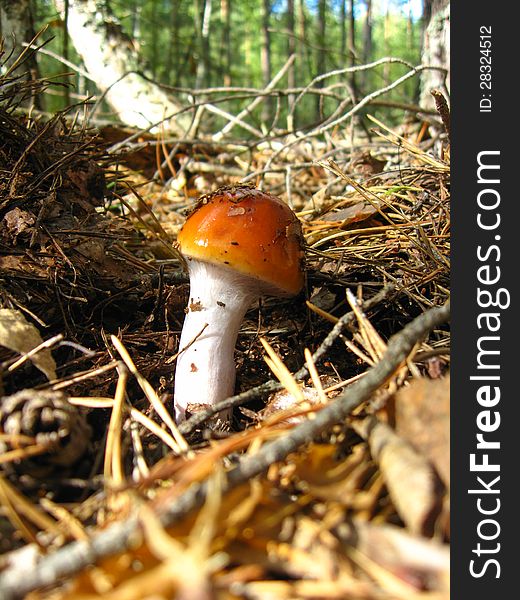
239, 243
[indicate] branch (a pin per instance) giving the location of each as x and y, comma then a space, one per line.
227, 128
232, 120
59, 58
322, 128
344, 71
15, 583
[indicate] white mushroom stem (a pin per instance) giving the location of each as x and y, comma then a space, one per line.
205, 372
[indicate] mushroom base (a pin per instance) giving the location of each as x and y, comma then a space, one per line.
205, 372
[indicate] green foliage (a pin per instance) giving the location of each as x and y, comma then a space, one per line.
166, 33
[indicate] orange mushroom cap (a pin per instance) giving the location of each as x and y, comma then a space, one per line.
250, 231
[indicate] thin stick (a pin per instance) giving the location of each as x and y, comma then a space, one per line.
322, 128
443, 109
83, 376
232, 119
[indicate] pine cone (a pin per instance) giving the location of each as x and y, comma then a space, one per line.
48, 417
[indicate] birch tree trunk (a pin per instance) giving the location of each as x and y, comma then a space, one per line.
16, 27
436, 48
115, 66
225, 14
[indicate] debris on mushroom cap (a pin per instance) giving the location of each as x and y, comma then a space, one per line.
250, 231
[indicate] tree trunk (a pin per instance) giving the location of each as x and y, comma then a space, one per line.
303, 50
436, 49
321, 58
225, 15
352, 47
16, 27
135, 27
248, 53
266, 55
204, 66
155, 24
367, 42
410, 30
291, 49
65, 50
173, 55
114, 64
343, 29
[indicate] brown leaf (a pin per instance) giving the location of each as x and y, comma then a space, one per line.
421, 562
422, 414
352, 214
367, 164
23, 264
412, 483
16, 222
17, 334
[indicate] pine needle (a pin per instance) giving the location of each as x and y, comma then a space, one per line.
113, 468
313, 372
17, 504
321, 312
281, 372
181, 444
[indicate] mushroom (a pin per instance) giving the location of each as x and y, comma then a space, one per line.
240, 243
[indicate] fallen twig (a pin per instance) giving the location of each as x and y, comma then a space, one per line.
443, 109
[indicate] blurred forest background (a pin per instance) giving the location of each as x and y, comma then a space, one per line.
298, 53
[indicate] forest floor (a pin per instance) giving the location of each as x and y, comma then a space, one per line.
345, 494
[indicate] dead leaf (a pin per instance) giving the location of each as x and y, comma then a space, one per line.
22, 264
352, 214
422, 417
15, 222
412, 483
367, 164
18, 335
345, 480
422, 562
